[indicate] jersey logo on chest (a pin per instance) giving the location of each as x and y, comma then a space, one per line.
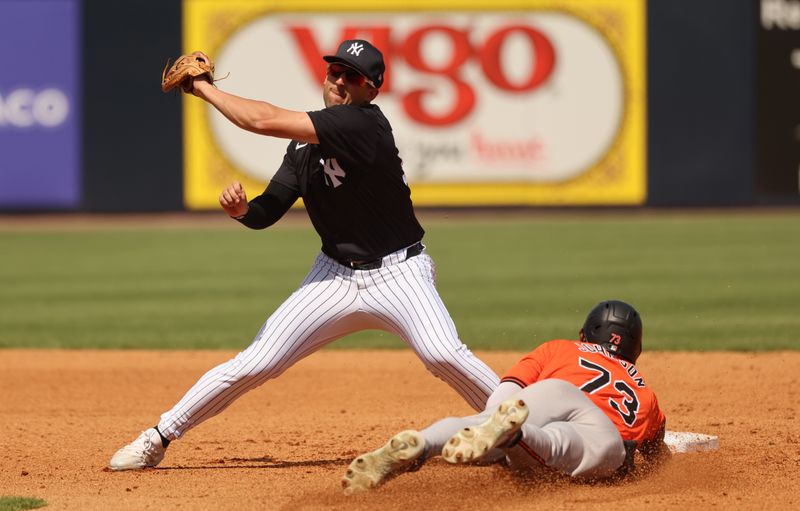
333, 172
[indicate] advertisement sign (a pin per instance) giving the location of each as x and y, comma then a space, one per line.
39, 122
778, 103
518, 103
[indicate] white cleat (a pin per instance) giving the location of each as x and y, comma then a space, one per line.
374, 468
471, 444
145, 451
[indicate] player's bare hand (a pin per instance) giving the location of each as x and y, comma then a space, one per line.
233, 200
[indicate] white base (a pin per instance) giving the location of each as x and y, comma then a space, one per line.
684, 441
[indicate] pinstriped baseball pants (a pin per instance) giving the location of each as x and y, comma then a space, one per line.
333, 301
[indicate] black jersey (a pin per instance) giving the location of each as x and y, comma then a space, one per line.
352, 184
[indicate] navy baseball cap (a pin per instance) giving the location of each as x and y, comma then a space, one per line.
361, 56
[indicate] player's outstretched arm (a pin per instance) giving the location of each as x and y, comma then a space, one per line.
257, 116
655, 451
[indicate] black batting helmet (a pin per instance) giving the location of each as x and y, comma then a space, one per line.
617, 327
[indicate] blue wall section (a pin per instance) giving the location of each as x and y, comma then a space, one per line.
40, 108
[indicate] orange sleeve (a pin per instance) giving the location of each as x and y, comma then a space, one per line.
529, 368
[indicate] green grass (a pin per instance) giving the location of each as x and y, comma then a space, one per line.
20, 503
721, 281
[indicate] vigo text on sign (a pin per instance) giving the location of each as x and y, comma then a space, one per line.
532, 97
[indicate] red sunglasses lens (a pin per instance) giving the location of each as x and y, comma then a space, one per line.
351, 76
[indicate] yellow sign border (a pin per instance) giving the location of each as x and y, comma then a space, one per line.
618, 178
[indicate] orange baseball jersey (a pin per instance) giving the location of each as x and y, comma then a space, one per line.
613, 384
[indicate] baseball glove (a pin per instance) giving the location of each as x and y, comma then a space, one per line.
185, 69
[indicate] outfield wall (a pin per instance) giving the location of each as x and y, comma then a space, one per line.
516, 103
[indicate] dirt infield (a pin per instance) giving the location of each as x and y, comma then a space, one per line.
286, 444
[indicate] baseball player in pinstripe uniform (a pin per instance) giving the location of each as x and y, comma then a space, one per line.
372, 272
581, 408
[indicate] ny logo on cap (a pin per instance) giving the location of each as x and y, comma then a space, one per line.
356, 49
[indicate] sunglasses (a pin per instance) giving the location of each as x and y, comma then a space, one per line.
351, 76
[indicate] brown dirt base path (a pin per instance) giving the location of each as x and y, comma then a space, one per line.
286, 444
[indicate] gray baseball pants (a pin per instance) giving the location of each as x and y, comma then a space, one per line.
565, 431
